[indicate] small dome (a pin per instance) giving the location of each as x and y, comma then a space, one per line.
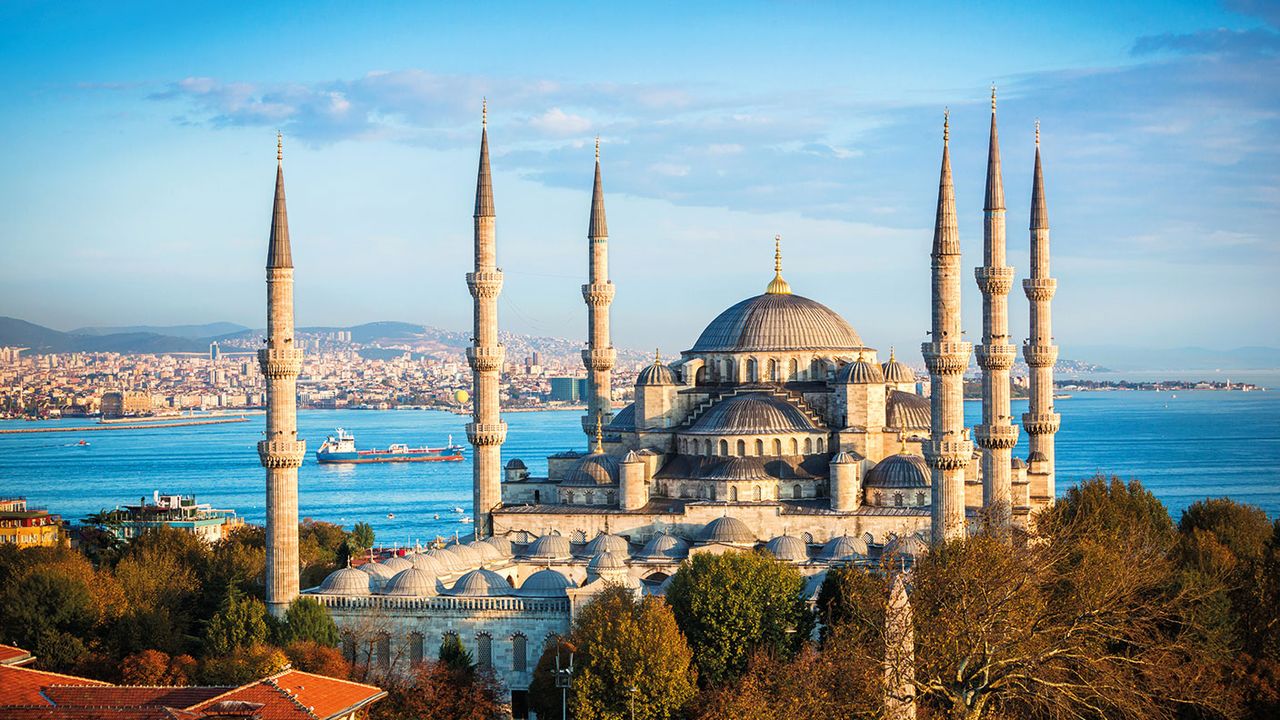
451, 562
1017, 464
481, 583
664, 547
488, 553
396, 563
728, 530
598, 468
895, 372
844, 547
777, 322
607, 543
545, 583
912, 545
788, 548
380, 572
550, 547
427, 563
606, 561
499, 543
412, 583
860, 372
624, 420
752, 413
899, 471
631, 457
347, 581
467, 555
907, 411
516, 464
656, 374
1037, 456
737, 469
843, 458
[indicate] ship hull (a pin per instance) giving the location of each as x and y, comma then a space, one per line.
359, 458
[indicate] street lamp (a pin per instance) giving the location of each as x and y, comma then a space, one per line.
564, 678
634, 690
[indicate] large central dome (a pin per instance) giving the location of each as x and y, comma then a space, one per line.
777, 322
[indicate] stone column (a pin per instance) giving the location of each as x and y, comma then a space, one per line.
1040, 352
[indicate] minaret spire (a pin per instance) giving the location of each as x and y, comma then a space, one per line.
487, 431
996, 435
1040, 421
281, 451
948, 450
598, 293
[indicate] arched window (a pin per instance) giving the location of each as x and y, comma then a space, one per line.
733, 494
821, 444
808, 446
348, 647
794, 370
920, 499
609, 498
415, 648
815, 369
383, 645
755, 493
897, 499
588, 497
879, 499
753, 371
577, 537
777, 447
759, 447
519, 653
773, 370
537, 497
711, 491
484, 650
796, 492
742, 448
795, 447
724, 448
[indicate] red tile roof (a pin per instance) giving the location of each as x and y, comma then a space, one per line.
10, 655
296, 694
101, 713
22, 685
130, 695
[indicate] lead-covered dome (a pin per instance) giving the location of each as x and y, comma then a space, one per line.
481, 583
396, 563
899, 471
347, 581
842, 548
412, 583
728, 530
788, 548
598, 468
605, 542
777, 322
664, 547
549, 547
895, 372
546, 583
752, 414
860, 372
738, 469
657, 374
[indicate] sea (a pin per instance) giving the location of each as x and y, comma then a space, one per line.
1183, 446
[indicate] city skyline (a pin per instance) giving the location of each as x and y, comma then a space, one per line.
132, 182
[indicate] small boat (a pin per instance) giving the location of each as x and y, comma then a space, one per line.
341, 448
458, 510
466, 521
391, 516
83, 443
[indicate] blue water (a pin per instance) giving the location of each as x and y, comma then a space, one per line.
1199, 444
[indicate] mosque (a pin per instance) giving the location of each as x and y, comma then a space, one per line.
780, 430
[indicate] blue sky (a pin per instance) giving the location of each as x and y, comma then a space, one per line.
139, 138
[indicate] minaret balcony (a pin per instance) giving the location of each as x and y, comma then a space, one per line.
948, 454
486, 434
599, 358
484, 283
1040, 355
282, 453
994, 280
1041, 423
995, 356
486, 359
946, 358
597, 294
1038, 289
280, 362
996, 437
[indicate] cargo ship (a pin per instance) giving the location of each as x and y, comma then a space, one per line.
341, 448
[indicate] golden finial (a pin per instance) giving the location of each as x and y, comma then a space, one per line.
778, 286
1037, 132
657, 356
862, 355
484, 112
279, 147
902, 443
599, 433
946, 125
891, 357
597, 148
993, 97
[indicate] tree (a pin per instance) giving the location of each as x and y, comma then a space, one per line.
153, 667
240, 623
454, 655
438, 692
307, 619
630, 657
242, 665
47, 608
362, 537
730, 605
313, 657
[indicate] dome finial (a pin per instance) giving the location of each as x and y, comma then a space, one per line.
778, 286
657, 356
599, 433
902, 443
891, 355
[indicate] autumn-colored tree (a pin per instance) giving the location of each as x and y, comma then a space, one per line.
313, 657
436, 691
242, 665
153, 667
239, 559
728, 606
631, 658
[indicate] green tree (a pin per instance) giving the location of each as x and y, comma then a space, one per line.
308, 620
453, 655
730, 605
241, 622
242, 665
631, 657
362, 537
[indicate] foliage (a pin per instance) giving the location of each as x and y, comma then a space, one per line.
361, 536
152, 667
544, 697
437, 691
242, 665
728, 606
454, 655
313, 657
241, 622
308, 620
630, 658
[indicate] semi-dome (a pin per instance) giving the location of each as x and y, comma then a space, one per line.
656, 374
624, 420
907, 411
428, 563
895, 372
777, 322
752, 414
481, 583
842, 548
411, 583
899, 471
598, 468
347, 581
788, 548
728, 530
546, 583
664, 547
860, 372
604, 542
396, 563
549, 547
737, 469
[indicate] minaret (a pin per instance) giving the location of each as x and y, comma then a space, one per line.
598, 294
996, 435
281, 452
1040, 422
487, 431
948, 450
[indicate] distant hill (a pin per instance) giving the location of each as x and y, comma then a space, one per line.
20, 333
1119, 357
193, 332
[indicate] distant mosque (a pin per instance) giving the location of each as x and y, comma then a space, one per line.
779, 430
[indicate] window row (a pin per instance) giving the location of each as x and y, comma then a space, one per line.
381, 653
711, 448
